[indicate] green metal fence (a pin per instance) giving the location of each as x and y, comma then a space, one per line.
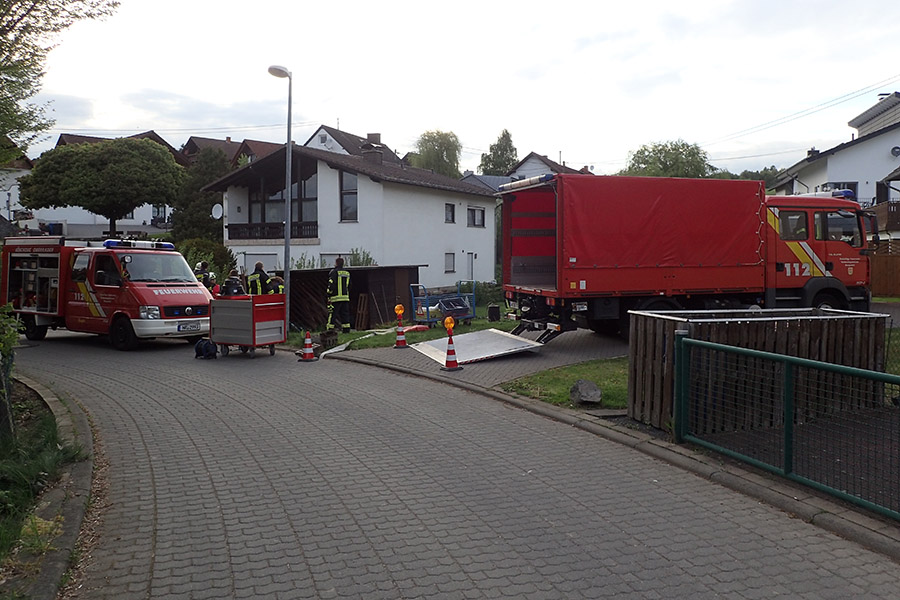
832, 427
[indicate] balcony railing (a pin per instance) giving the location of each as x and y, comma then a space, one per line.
271, 231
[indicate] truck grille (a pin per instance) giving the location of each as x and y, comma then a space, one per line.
196, 310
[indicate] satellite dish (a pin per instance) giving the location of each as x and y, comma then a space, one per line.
217, 211
895, 151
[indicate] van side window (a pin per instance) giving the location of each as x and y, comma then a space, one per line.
793, 225
79, 269
106, 271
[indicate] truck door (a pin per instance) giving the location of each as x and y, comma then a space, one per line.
842, 237
798, 254
77, 309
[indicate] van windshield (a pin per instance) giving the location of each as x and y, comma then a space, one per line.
156, 267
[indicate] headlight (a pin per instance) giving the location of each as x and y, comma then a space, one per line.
149, 312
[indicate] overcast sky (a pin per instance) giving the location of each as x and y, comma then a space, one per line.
754, 82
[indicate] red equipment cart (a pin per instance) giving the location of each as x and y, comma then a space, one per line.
248, 322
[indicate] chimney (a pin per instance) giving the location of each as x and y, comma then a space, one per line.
374, 138
812, 152
373, 153
228, 138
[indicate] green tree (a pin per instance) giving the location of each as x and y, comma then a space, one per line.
191, 217
438, 151
27, 29
669, 159
767, 174
501, 157
110, 178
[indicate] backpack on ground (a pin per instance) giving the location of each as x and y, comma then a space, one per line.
205, 348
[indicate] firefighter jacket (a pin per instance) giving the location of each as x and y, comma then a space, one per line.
339, 286
277, 288
259, 282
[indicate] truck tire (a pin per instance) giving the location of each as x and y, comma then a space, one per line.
121, 334
829, 300
33, 331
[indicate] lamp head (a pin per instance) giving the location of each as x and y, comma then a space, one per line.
279, 71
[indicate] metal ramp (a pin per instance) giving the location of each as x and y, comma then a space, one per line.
476, 346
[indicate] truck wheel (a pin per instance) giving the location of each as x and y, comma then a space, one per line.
121, 334
33, 331
272, 350
224, 349
829, 300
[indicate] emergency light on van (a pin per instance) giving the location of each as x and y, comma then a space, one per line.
138, 244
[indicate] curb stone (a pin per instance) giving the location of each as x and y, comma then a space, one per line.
68, 499
850, 523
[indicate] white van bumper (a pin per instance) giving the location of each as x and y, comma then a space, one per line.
157, 328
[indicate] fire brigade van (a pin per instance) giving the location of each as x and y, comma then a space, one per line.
128, 290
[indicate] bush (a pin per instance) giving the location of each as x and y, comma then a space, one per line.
220, 258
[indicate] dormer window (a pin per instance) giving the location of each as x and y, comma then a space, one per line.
323, 138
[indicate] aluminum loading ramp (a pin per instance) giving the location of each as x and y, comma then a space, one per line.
476, 346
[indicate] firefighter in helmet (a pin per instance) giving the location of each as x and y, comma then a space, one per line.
339, 297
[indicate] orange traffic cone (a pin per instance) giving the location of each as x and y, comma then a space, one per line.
308, 354
401, 337
450, 363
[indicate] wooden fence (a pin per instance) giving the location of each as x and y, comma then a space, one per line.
850, 339
886, 272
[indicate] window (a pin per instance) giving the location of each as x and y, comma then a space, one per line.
449, 262
309, 211
106, 271
79, 269
349, 198
475, 216
323, 138
840, 226
267, 201
449, 213
793, 225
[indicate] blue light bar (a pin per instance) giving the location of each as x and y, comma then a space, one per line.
140, 244
848, 194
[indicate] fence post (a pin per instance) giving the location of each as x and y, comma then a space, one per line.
788, 401
682, 372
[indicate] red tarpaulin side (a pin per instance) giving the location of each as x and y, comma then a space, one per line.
659, 222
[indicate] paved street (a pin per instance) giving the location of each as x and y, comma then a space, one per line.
268, 478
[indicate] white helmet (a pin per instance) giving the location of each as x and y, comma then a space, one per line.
198, 266
212, 275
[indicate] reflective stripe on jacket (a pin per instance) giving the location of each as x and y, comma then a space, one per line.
339, 286
259, 282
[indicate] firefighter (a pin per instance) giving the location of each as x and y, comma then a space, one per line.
277, 285
201, 272
339, 297
258, 281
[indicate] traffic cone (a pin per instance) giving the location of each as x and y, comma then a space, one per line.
308, 354
401, 338
450, 363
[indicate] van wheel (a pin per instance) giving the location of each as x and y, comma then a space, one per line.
121, 334
829, 300
33, 331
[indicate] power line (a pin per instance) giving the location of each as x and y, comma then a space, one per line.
804, 113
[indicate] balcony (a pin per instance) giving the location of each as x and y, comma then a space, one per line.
271, 231
888, 214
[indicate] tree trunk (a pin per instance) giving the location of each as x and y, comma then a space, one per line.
112, 228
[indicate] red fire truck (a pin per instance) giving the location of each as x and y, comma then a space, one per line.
128, 290
583, 250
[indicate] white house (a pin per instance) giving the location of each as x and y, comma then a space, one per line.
863, 164
356, 201
76, 222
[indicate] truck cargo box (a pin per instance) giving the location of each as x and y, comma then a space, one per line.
582, 235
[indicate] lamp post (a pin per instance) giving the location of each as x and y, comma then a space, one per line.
282, 72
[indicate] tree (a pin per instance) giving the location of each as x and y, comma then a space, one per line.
438, 151
669, 159
110, 178
26, 31
501, 157
191, 217
767, 174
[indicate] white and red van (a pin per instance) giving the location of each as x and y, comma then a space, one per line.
128, 290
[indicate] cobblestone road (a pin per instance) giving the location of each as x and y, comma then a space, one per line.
268, 478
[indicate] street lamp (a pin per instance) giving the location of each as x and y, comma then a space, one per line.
282, 72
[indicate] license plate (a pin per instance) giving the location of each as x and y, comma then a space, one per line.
190, 326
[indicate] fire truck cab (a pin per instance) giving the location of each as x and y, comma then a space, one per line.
128, 290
